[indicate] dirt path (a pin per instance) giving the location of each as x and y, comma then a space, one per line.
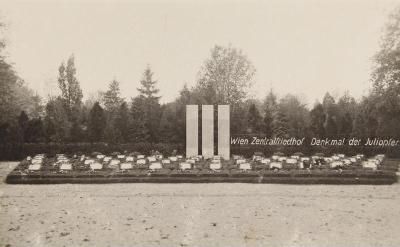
198, 214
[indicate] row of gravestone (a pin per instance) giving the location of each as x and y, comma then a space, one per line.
156, 162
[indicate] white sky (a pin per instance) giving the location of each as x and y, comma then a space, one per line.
300, 47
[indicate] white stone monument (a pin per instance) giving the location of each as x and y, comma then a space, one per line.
192, 130
207, 131
224, 147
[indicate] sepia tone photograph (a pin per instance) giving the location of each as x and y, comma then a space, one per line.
199, 123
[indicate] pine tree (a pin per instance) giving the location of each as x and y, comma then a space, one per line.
122, 122
137, 130
150, 103
148, 86
97, 123
280, 125
254, 119
317, 121
330, 127
112, 97
270, 108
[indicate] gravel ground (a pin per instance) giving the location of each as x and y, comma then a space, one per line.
198, 214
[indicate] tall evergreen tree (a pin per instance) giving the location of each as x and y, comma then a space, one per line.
112, 97
97, 123
270, 110
150, 103
317, 121
137, 130
254, 119
122, 122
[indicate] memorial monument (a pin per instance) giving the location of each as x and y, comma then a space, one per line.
207, 131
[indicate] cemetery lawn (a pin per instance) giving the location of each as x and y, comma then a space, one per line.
219, 214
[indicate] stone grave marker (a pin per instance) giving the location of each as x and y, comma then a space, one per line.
126, 166
166, 161
65, 166
277, 165
265, 161
129, 158
245, 166
34, 167
185, 166
151, 159
173, 159
88, 162
96, 166
141, 161
240, 161
100, 156
155, 166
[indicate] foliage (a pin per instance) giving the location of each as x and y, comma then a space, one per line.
225, 77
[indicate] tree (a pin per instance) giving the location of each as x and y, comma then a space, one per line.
270, 111
330, 127
296, 115
71, 92
254, 119
34, 132
317, 121
150, 102
137, 130
23, 120
97, 123
112, 97
56, 124
225, 77
148, 87
122, 122
71, 96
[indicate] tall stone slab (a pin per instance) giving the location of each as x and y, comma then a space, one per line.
207, 131
224, 147
192, 130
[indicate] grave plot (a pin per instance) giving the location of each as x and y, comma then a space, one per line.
133, 167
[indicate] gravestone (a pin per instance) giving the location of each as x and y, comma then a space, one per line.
96, 166
185, 166
125, 166
151, 158
129, 158
245, 166
141, 162
174, 159
34, 167
207, 131
277, 165
155, 166
224, 131
66, 166
215, 166
192, 130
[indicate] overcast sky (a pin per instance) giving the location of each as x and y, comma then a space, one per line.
300, 47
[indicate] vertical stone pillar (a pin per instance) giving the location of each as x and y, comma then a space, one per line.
192, 130
207, 131
224, 147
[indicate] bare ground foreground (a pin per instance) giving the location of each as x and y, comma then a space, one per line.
198, 214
